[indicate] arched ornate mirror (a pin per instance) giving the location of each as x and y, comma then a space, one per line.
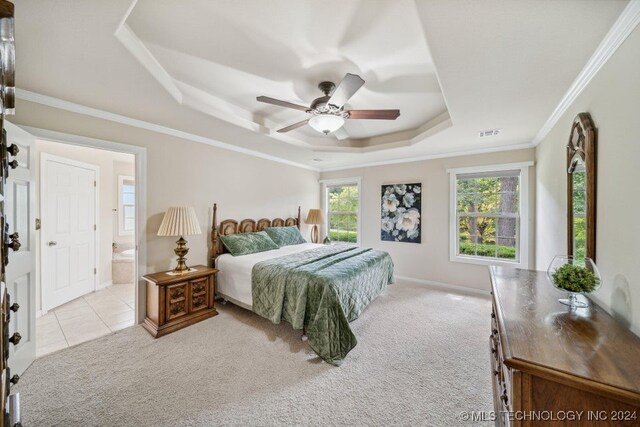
581, 188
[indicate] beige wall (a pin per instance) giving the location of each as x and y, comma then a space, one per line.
181, 172
105, 160
428, 260
613, 100
121, 169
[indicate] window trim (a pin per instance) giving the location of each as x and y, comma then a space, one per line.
121, 230
326, 183
524, 199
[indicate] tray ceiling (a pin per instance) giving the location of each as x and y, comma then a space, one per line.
453, 68
220, 55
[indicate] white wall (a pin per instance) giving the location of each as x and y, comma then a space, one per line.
105, 160
613, 100
428, 260
185, 173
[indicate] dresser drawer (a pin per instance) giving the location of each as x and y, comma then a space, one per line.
176, 299
501, 376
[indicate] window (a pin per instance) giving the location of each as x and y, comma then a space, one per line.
126, 205
579, 178
342, 209
489, 215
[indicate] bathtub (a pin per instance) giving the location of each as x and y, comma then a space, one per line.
122, 267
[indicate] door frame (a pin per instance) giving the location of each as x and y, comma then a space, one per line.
140, 154
44, 158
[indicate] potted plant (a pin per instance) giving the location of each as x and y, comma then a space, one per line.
576, 276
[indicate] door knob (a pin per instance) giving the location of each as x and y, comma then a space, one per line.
14, 164
52, 243
13, 149
14, 307
15, 338
15, 244
14, 379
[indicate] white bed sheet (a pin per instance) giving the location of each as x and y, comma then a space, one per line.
234, 278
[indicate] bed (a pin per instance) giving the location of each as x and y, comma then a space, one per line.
316, 288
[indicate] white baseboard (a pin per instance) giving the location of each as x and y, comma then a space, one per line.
104, 285
440, 285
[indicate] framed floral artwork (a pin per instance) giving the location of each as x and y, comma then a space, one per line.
401, 211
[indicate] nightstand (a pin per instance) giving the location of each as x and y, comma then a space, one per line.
177, 301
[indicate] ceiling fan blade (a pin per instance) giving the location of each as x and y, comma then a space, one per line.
346, 89
374, 114
293, 126
340, 133
280, 103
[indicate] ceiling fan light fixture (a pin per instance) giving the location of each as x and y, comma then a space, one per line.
326, 123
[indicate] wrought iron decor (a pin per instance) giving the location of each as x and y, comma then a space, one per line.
9, 403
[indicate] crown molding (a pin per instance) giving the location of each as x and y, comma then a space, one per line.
624, 25
50, 101
511, 147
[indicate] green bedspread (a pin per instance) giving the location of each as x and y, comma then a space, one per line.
321, 290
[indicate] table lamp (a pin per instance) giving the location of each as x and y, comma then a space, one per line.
180, 221
314, 217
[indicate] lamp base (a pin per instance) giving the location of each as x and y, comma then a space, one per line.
315, 235
181, 250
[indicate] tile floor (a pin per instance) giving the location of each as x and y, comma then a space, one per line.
91, 316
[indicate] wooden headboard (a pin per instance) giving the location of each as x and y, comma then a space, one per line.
231, 226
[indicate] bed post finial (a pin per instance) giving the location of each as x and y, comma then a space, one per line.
298, 217
214, 234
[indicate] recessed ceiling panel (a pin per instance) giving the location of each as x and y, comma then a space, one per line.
228, 52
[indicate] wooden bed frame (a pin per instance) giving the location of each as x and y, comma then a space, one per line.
231, 226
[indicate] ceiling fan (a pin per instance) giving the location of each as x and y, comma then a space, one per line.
328, 114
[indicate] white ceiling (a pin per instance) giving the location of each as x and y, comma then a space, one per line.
197, 68
225, 56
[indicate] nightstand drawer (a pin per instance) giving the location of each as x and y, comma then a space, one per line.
200, 286
199, 294
177, 300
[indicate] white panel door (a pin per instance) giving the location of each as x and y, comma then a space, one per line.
68, 214
20, 272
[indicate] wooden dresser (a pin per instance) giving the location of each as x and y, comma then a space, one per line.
177, 301
549, 363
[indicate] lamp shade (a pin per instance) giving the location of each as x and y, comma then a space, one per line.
314, 217
179, 221
326, 123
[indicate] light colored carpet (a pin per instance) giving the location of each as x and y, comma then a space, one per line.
421, 358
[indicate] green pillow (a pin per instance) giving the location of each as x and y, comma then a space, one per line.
285, 236
248, 243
